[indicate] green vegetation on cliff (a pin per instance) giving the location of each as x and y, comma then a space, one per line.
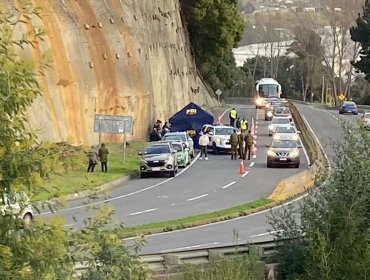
215, 28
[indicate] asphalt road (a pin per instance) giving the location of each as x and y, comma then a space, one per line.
255, 227
203, 187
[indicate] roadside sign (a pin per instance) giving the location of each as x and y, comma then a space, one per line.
218, 92
341, 97
112, 124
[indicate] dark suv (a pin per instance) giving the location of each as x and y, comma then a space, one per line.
283, 152
158, 157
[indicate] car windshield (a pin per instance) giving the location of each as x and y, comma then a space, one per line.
285, 129
350, 104
284, 144
282, 110
224, 130
157, 149
280, 121
177, 146
174, 137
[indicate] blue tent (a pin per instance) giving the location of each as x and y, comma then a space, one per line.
191, 118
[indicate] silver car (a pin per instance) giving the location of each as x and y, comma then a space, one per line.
181, 136
158, 157
276, 121
286, 132
16, 204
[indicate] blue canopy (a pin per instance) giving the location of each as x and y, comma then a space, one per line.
191, 118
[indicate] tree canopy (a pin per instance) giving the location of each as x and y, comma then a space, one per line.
361, 33
215, 28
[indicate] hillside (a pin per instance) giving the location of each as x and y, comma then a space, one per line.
127, 57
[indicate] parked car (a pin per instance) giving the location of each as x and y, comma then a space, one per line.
286, 132
283, 152
17, 204
183, 155
278, 121
219, 136
181, 136
365, 119
158, 157
348, 107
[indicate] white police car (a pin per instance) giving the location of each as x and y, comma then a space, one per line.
219, 135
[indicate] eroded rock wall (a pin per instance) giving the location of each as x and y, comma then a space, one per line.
113, 57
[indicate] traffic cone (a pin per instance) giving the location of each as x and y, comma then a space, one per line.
241, 167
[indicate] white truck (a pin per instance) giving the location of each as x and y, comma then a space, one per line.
266, 88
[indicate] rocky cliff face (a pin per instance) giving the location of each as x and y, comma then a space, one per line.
112, 57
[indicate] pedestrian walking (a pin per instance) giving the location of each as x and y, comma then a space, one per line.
243, 125
203, 143
234, 145
103, 156
233, 116
92, 157
248, 139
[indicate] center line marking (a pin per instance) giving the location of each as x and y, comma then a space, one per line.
197, 197
245, 174
228, 185
142, 212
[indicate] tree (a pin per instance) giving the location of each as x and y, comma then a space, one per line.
361, 34
307, 47
43, 249
327, 236
215, 28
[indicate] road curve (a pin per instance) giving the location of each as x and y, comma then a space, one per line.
252, 228
203, 187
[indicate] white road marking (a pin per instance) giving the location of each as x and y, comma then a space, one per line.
267, 233
245, 174
228, 185
197, 197
252, 163
191, 247
142, 212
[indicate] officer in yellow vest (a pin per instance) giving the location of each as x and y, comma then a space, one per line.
232, 116
243, 125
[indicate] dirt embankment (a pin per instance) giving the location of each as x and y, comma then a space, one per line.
127, 58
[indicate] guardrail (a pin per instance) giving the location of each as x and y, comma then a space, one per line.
170, 263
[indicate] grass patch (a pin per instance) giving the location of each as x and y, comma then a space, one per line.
78, 179
201, 219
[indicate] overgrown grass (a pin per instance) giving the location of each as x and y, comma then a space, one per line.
78, 179
191, 221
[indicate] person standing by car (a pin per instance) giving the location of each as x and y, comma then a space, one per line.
154, 135
232, 116
103, 156
237, 124
92, 157
248, 139
203, 143
234, 139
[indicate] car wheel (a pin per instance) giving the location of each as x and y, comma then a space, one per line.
27, 218
214, 148
355, 113
142, 175
297, 164
269, 164
172, 173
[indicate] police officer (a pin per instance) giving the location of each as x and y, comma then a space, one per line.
243, 125
232, 116
234, 140
248, 139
